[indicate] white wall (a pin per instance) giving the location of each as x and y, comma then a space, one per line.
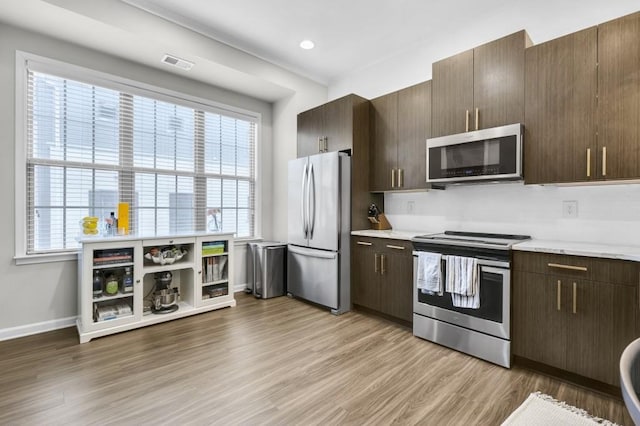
46, 293
609, 214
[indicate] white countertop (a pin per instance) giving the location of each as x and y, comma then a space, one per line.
390, 233
606, 251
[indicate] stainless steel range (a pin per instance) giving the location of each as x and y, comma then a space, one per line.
483, 331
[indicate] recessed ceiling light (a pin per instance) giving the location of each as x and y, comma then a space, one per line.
307, 44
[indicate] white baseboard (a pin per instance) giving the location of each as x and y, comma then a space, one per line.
40, 327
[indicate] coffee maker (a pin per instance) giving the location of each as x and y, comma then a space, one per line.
165, 298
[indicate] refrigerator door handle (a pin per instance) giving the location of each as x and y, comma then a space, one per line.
312, 200
305, 226
312, 253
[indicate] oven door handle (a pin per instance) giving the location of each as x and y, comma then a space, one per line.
481, 262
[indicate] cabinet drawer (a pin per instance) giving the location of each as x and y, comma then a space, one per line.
400, 246
167, 241
616, 271
556, 264
366, 242
382, 244
595, 269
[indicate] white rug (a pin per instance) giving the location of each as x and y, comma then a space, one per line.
543, 410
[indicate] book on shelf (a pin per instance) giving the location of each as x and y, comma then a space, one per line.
107, 257
214, 268
213, 247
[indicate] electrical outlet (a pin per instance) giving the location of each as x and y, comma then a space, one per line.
410, 206
570, 209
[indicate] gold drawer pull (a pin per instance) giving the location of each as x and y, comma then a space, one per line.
375, 263
604, 161
559, 291
574, 297
383, 269
570, 267
395, 247
588, 162
363, 243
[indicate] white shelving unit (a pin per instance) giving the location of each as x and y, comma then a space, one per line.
201, 288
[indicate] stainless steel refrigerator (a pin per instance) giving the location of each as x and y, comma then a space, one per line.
319, 227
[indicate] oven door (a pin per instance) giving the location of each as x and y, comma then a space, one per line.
493, 316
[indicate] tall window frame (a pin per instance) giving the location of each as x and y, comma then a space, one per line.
204, 212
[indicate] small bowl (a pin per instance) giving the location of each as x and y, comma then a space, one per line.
164, 258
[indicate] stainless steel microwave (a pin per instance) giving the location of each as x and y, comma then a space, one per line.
488, 154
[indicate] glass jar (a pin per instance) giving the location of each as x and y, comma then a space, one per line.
98, 282
111, 285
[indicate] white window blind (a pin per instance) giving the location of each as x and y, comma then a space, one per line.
180, 168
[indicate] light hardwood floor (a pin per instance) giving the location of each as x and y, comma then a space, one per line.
278, 361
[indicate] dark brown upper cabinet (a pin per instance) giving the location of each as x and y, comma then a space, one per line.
619, 98
329, 127
560, 109
582, 105
342, 124
480, 88
400, 126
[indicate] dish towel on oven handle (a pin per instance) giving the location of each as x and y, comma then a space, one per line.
463, 281
429, 273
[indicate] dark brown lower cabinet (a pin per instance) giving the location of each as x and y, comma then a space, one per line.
382, 276
564, 318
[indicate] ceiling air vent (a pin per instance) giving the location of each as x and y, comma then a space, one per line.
177, 62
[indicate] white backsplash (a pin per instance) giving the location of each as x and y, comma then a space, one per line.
607, 214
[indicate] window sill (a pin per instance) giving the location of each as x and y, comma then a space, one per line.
45, 258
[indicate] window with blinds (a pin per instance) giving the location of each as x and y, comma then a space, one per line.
181, 169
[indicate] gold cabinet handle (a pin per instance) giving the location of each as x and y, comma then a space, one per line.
466, 121
382, 264
326, 144
393, 178
570, 267
558, 293
588, 162
400, 178
319, 144
395, 247
364, 243
477, 117
575, 290
375, 263
604, 161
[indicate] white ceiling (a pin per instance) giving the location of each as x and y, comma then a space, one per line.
235, 44
347, 34
355, 34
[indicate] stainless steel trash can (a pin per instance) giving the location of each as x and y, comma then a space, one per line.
269, 269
